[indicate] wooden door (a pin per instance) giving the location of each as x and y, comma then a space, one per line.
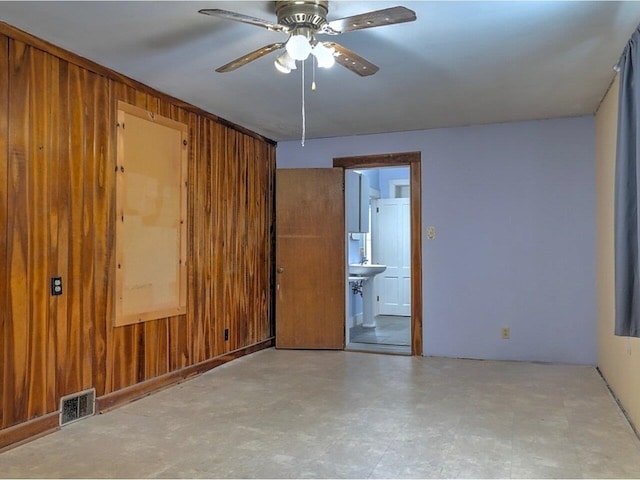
310, 270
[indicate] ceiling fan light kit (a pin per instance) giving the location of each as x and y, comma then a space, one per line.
286, 61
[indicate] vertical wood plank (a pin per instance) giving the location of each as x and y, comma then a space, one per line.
229, 214
71, 377
15, 387
38, 205
4, 161
103, 242
51, 145
182, 332
63, 206
107, 186
209, 316
90, 85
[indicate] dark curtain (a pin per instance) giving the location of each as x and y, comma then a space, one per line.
627, 284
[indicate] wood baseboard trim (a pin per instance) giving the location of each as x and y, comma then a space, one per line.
24, 432
17, 435
134, 392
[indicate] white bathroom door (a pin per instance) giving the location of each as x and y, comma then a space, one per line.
392, 247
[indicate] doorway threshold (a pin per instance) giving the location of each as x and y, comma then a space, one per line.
379, 348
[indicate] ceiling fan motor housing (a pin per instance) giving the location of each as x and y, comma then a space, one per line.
307, 14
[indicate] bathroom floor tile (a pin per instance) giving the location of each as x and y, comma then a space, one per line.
389, 330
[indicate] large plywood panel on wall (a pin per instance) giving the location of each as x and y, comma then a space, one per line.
151, 220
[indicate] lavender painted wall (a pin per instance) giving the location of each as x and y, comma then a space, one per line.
387, 174
514, 209
374, 177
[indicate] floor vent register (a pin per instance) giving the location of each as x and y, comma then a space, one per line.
77, 405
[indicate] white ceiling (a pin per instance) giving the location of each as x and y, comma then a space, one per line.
460, 63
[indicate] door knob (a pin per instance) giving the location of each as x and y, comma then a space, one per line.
280, 269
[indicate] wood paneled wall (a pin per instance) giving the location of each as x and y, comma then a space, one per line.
57, 207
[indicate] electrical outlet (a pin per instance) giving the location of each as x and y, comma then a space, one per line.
56, 286
506, 334
226, 334
431, 233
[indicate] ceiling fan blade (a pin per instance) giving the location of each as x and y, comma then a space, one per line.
249, 57
378, 18
351, 60
239, 17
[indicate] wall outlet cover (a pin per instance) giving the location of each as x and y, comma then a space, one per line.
56, 286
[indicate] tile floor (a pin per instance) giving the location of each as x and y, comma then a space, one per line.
300, 414
379, 348
390, 330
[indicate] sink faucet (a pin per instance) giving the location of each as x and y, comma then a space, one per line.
363, 260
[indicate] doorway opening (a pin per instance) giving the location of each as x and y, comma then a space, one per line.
379, 262
401, 292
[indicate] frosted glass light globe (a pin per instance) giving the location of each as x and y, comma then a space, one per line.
280, 67
298, 47
285, 63
324, 55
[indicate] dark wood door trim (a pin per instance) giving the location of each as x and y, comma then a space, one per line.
413, 160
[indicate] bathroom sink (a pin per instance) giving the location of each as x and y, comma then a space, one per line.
366, 270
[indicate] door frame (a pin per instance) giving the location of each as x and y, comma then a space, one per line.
413, 160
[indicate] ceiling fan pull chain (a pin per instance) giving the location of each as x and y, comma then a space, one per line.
313, 66
304, 120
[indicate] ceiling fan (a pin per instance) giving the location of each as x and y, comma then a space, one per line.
303, 20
